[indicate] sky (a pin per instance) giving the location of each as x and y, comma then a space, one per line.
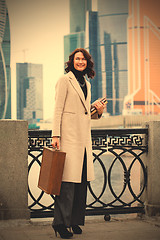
37, 30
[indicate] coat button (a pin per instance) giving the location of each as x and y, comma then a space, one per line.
86, 113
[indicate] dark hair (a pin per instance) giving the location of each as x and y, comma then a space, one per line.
90, 64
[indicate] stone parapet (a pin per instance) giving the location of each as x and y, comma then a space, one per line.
14, 169
152, 203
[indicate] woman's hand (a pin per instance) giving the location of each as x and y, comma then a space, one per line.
99, 106
55, 142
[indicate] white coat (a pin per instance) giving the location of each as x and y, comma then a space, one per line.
72, 123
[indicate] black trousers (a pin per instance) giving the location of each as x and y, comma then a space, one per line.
69, 208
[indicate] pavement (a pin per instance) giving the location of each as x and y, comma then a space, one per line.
96, 228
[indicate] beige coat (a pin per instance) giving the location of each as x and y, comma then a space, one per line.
72, 122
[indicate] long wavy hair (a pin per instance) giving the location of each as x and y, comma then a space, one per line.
69, 66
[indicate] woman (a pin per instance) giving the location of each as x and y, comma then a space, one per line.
72, 134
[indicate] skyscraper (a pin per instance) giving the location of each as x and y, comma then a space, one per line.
92, 44
73, 41
5, 73
29, 91
84, 33
143, 58
113, 52
76, 38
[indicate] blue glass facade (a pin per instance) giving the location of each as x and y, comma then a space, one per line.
29, 91
73, 41
94, 49
5, 72
21, 75
78, 9
76, 38
80, 36
113, 42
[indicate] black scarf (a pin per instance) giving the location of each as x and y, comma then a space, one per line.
80, 78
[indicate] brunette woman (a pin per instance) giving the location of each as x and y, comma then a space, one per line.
72, 134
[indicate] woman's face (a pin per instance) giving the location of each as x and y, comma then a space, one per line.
79, 61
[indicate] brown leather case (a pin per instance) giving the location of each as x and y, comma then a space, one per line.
51, 171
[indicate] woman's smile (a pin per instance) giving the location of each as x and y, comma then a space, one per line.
80, 63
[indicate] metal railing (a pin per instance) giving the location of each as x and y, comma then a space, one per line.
120, 172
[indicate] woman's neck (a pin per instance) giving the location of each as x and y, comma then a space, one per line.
78, 73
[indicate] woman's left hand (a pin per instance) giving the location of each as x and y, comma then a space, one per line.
99, 106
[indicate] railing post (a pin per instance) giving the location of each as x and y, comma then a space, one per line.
14, 169
152, 204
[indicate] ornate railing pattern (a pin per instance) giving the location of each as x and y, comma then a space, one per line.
120, 173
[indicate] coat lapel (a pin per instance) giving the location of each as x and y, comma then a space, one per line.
78, 89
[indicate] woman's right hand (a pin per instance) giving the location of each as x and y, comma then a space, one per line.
55, 142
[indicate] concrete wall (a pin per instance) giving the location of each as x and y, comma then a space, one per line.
14, 169
121, 121
152, 194
108, 122
134, 121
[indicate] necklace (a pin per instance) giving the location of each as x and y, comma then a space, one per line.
82, 84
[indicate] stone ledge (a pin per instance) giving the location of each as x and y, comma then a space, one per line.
6, 214
152, 210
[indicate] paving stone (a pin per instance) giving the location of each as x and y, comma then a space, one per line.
116, 229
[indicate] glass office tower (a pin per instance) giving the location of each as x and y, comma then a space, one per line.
92, 44
73, 41
29, 91
84, 33
143, 58
5, 72
76, 38
113, 44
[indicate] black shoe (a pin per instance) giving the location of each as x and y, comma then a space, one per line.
62, 230
76, 229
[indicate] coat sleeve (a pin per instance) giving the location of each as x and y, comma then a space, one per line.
60, 98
